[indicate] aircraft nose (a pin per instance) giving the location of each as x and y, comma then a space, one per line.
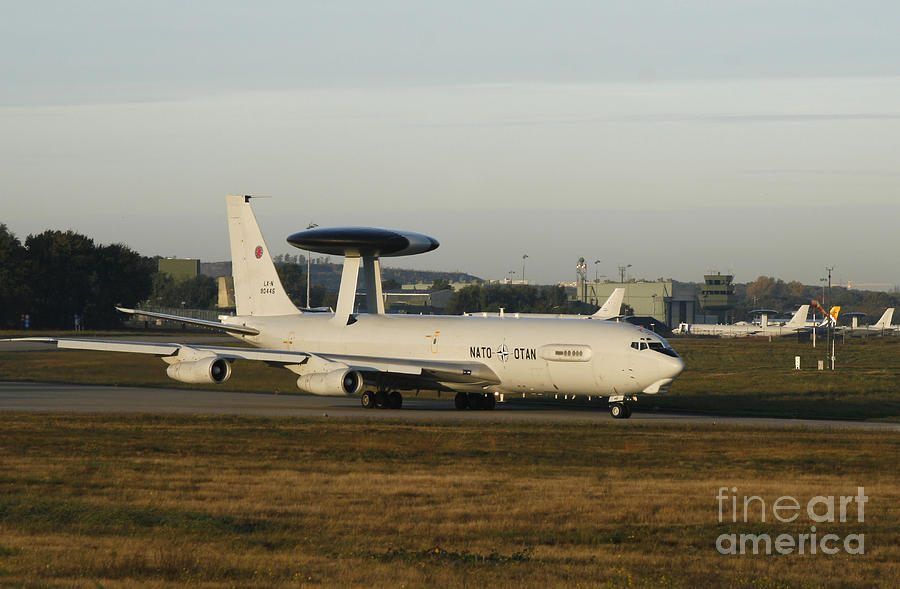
672, 366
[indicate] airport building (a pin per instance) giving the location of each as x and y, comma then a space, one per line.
666, 301
180, 268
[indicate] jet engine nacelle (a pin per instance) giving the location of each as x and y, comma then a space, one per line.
336, 383
212, 369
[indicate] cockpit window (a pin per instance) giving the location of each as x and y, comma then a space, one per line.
659, 347
656, 346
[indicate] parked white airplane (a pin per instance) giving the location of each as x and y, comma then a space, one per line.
377, 355
882, 325
796, 323
611, 309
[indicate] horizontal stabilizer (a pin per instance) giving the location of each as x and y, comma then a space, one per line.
192, 321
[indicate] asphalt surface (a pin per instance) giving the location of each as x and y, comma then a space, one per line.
64, 398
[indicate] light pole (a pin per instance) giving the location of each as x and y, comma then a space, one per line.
596, 271
523, 268
830, 340
622, 270
308, 268
511, 274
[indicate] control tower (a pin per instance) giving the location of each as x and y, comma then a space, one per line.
717, 296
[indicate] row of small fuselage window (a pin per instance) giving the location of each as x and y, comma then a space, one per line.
570, 353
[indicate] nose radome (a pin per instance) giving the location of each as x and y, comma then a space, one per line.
673, 366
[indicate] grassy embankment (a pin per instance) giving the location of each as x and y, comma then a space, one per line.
743, 377
90, 501
757, 377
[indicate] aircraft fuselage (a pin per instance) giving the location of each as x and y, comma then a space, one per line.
528, 355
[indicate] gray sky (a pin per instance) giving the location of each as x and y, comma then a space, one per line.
755, 137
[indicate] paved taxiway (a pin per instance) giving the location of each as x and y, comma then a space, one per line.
63, 398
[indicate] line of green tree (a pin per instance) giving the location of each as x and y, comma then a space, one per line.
515, 298
202, 291
56, 279
56, 276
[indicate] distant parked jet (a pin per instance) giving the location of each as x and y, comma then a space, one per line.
880, 326
795, 324
611, 309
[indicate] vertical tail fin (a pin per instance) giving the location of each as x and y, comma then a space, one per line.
612, 307
885, 321
257, 288
799, 319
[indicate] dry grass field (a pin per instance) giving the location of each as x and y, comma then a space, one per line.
111, 501
151, 501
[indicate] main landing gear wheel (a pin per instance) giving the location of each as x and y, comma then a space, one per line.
381, 400
619, 410
475, 401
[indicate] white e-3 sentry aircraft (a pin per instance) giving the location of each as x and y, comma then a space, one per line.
380, 356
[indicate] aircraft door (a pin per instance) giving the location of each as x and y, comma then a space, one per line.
570, 368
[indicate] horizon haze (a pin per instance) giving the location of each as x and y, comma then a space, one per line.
753, 137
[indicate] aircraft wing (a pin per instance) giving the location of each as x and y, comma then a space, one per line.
430, 370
